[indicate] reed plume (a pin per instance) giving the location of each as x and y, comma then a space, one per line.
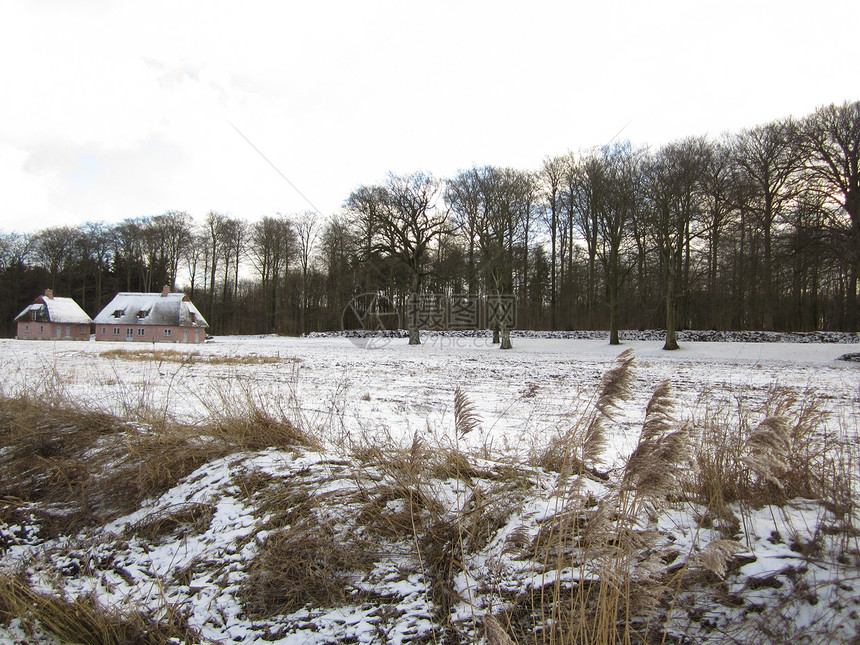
465, 418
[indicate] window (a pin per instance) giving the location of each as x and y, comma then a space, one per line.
104, 331
26, 329
117, 313
129, 333
142, 314
193, 317
116, 331
167, 332
41, 328
141, 331
84, 329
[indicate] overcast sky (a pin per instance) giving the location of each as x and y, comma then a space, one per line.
113, 110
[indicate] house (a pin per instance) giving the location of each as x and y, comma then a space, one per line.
53, 318
151, 317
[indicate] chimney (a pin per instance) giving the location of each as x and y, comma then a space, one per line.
165, 291
49, 294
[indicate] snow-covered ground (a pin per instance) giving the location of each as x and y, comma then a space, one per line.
381, 391
355, 388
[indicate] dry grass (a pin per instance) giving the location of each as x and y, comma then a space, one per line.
788, 454
579, 447
174, 522
72, 467
307, 563
85, 621
190, 358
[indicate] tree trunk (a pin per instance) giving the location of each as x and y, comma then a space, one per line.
553, 286
671, 341
506, 338
612, 288
414, 333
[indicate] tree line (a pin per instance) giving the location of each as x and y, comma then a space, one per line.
758, 229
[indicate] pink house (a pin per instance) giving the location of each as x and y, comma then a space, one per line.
53, 318
151, 317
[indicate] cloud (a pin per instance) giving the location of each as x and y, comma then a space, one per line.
118, 110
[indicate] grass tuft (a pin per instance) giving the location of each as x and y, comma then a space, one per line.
307, 563
85, 621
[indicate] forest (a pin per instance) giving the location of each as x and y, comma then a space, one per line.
757, 229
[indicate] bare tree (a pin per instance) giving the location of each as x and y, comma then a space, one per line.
175, 233
307, 231
55, 249
769, 157
407, 220
675, 185
214, 227
616, 201
273, 242
510, 195
194, 254
340, 255
552, 174
583, 187
831, 141
464, 195
719, 178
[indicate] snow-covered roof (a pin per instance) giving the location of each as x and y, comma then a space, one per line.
55, 310
130, 308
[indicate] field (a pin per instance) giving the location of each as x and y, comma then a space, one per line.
324, 490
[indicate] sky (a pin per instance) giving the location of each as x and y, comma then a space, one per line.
114, 110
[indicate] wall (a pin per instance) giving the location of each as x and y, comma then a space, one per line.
150, 333
31, 330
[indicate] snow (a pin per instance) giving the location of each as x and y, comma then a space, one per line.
349, 391
170, 309
393, 390
59, 310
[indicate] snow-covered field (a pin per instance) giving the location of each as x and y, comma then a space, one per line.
364, 392
354, 388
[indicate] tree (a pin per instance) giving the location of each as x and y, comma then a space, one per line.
175, 234
126, 250
194, 254
717, 191
674, 182
55, 249
16, 252
307, 230
340, 258
584, 181
830, 139
214, 227
507, 195
617, 194
463, 193
552, 174
769, 159
234, 237
273, 242
404, 218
